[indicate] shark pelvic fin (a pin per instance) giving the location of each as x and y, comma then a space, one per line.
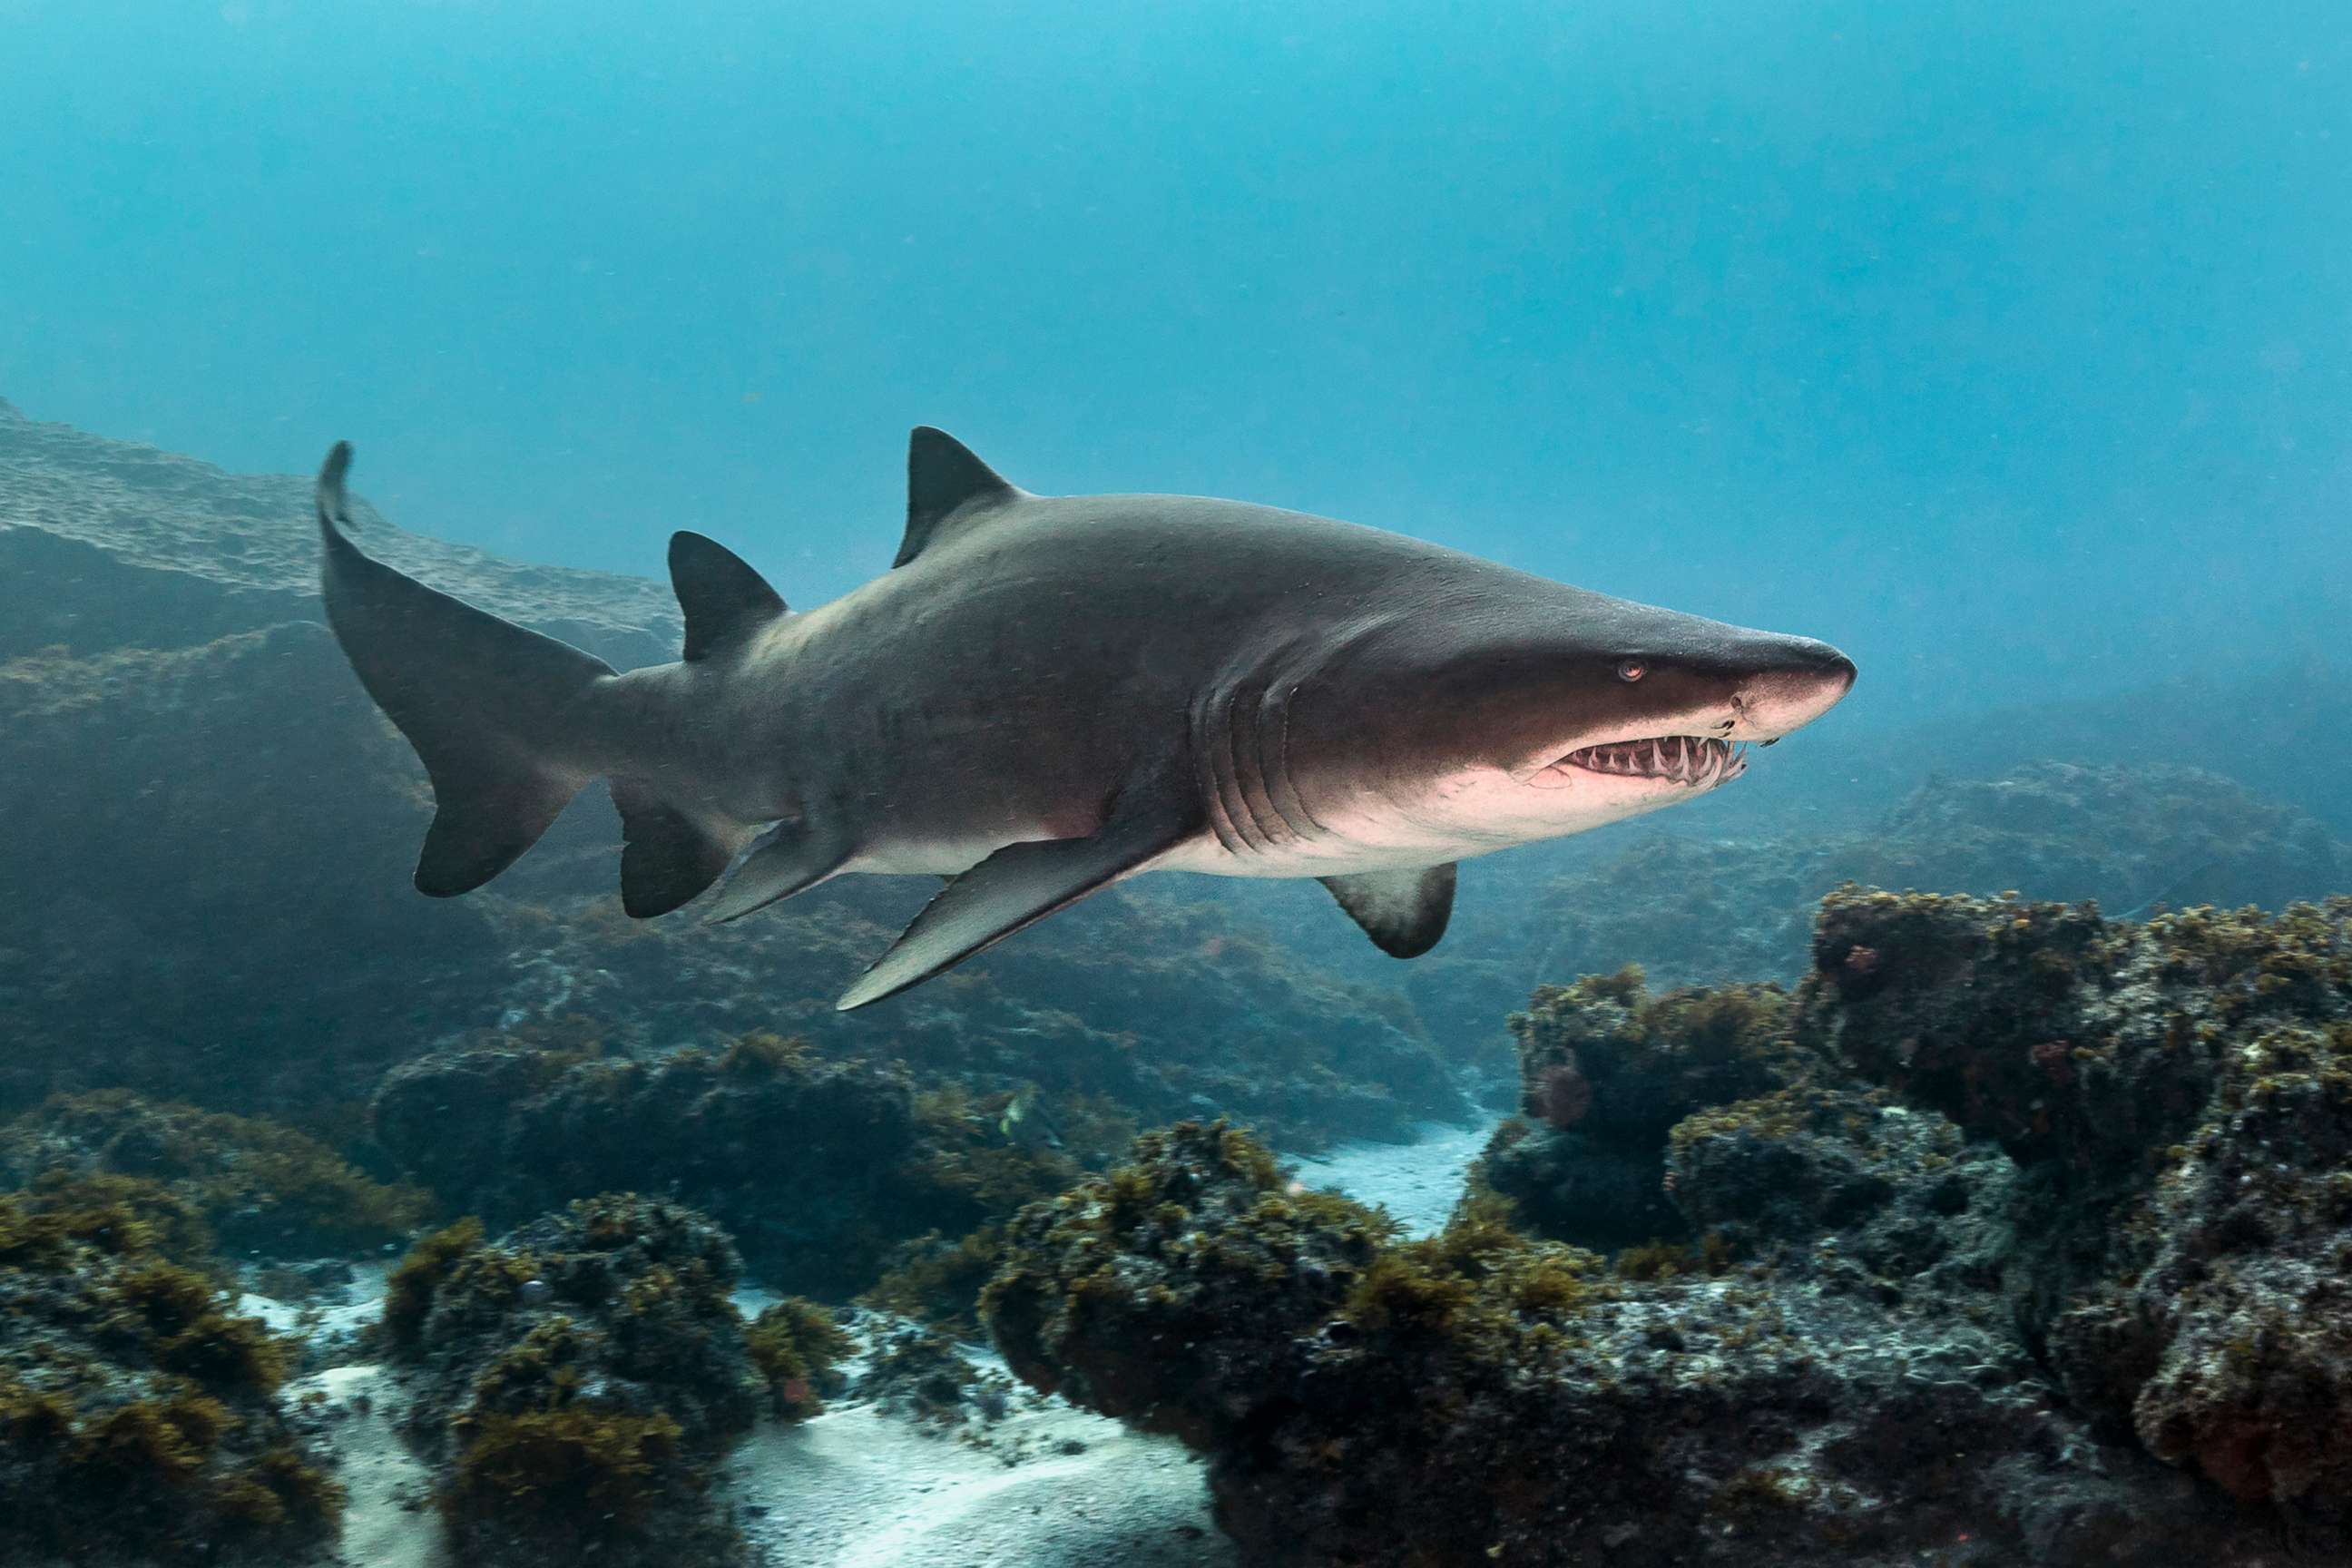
667, 858
1021, 884
723, 599
944, 481
1405, 913
786, 859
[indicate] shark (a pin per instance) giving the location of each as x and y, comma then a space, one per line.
1045, 695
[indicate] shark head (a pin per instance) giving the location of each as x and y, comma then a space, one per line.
1524, 710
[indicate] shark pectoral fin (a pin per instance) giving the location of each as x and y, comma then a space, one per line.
786, 859
1405, 913
667, 856
1016, 886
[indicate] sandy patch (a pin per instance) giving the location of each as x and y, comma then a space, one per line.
388, 1521
1418, 1183
1046, 1487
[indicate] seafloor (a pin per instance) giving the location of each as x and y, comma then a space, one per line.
1710, 1197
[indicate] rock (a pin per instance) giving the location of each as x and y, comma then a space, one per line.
255, 1186
108, 544
2008, 1209
581, 1417
139, 1421
2179, 1098
1481, 1396
1606, 1070
817, 1166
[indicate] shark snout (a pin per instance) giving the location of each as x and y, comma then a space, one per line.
1804, 681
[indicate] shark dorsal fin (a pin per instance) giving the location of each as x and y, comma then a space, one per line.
723, 599
943, 479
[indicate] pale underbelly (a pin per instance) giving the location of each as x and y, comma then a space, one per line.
1202, 854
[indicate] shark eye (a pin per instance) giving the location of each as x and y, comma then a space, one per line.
1632, 669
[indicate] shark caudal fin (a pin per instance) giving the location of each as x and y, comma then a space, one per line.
490, 707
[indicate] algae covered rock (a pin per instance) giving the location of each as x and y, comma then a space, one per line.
2018, 1235
2179, 1098
1199, 1250
140, 1420
1605, 1070
578, 1379
1482, 1396
819, 1167
1850, 1187
251, 1185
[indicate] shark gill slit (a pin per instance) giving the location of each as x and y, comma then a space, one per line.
1211, 781
1272, 728
1225, 711
1230, 800
1246, 725
1295, 809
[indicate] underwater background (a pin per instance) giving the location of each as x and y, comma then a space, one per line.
1934, 1148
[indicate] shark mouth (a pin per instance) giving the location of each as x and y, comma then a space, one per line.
1692, 760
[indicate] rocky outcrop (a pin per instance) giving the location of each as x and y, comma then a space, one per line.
574, 1381
1606, 1071
2016, 1234
1483, 1396
140, 1420
108, 544
816, 1166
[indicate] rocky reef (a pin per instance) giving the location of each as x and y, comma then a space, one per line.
817, 1167
579, 1378
1607, 1071
247, 1186
139, 1417
2014, 1236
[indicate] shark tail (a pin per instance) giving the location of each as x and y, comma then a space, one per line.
494, 710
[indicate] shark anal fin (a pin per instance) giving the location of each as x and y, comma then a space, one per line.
1018, 886
943, 478
788, 858
667, 858
722, 599
1405, 913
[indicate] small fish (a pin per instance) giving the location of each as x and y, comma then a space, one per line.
1025, 1123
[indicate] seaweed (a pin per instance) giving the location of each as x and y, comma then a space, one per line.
795, 1343
189, 1173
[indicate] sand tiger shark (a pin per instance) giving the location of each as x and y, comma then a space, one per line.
1046, 694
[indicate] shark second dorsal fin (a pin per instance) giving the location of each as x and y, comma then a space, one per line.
943, 479
723, 599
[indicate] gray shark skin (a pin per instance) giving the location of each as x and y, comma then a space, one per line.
1048, 693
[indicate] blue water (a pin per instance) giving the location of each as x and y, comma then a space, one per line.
2009, 345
